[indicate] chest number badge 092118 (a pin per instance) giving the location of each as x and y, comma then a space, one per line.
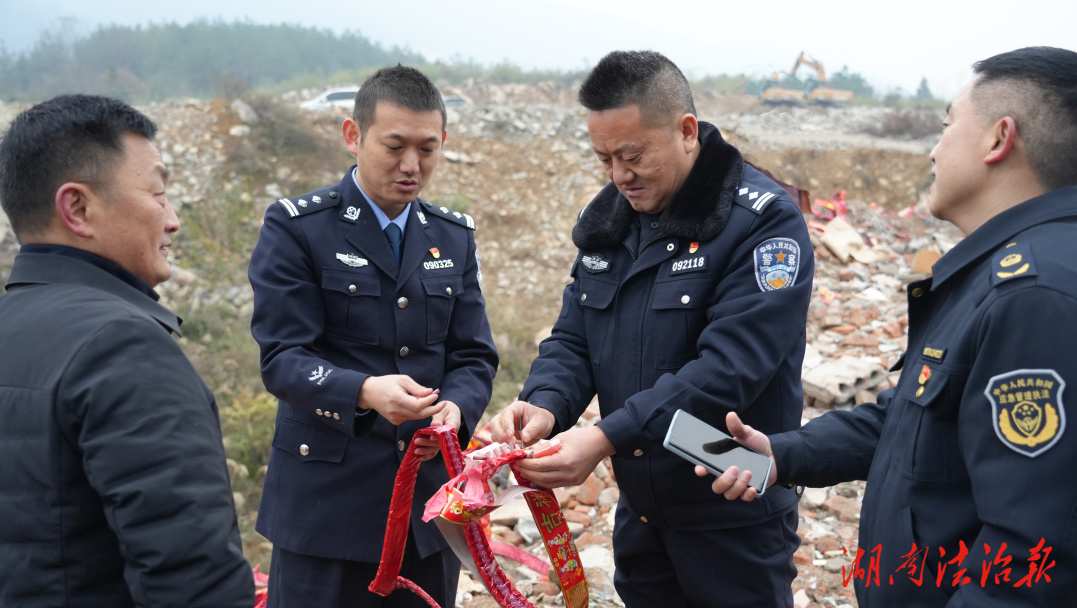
1026, 406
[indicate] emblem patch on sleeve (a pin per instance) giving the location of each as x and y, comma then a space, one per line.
1026, 407
776, 263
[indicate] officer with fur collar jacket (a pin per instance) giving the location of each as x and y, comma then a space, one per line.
695, 302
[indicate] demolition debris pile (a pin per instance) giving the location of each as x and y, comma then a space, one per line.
519, 160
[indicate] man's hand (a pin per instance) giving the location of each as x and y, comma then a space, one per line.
734, 483
398, 398
428, 447
523, 421
581, 451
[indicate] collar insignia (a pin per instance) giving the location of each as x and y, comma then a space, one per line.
352, 260
422, 218
352, 213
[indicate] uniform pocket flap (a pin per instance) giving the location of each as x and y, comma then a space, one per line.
309, 443
596, 294
445, 286
688, 293
350, 283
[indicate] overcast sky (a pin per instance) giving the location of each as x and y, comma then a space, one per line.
892, 43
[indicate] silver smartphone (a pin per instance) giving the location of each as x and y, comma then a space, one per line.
698, 442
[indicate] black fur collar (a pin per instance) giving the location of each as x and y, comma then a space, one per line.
698, 211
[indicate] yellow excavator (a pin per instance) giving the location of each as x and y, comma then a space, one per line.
818, 90
773, 92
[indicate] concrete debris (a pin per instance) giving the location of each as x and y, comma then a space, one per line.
838, 381
245, 112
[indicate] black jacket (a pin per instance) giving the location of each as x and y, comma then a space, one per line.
332, 307
972, 448
706, 313
113, 485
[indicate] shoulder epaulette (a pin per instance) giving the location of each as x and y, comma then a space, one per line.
1012, 262
755, 198
463, 219
309, 203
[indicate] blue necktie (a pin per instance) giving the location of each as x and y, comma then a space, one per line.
392, 232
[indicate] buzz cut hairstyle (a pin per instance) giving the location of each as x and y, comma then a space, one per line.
1037, 87
70, 138
644, 78
399, 85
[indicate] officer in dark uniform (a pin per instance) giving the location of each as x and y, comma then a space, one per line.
371, 322
969, 501
690, 291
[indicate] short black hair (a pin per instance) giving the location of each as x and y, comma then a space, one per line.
70, 138
644, 78
1037, 87
399, 85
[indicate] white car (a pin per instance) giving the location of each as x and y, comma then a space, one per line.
344, 98
340, 97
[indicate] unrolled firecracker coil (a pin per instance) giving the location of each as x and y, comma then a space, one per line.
464, 501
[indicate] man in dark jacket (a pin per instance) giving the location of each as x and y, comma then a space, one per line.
369, 313
113, 485
970, 499
690, 292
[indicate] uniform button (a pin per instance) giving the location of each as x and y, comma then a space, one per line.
304, 450
448, 291
333, 194
400, 446
637, 453
318, 411
404, 350
329, 414
583, 298
654, 224
685, 299
336, 416
643, 519
669, 247
919, 391
402, 302
351, 288
917, 292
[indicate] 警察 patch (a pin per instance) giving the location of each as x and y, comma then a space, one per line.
1026, 407
776, 263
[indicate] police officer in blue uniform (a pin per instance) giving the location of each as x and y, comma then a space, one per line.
969, 498
690, 291
371, 322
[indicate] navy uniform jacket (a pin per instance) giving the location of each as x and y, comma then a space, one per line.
331, 308
973, 444
708, 316
113, 485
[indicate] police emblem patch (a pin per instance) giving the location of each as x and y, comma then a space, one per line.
777, 262
595, 263
1026, 409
